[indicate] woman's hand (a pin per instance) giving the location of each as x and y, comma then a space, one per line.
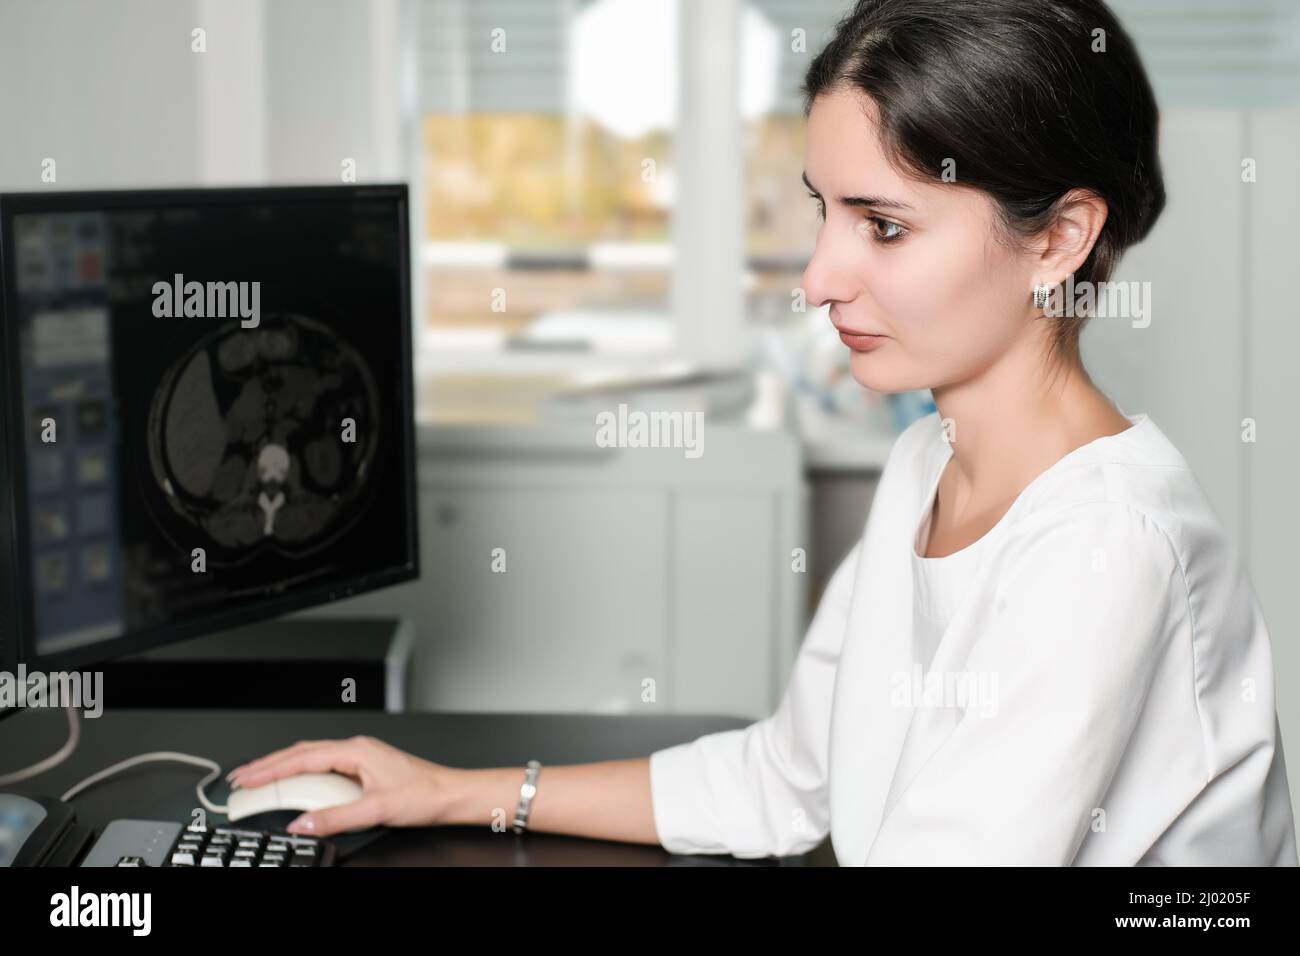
400, 790
610, 800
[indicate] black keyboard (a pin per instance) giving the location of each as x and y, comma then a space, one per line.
236, 847
155, 843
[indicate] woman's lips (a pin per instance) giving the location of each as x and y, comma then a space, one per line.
862, 341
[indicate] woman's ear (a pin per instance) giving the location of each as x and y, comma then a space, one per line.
1068, 241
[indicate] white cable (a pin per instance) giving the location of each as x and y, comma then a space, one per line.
54, 759
157, 755
69, 745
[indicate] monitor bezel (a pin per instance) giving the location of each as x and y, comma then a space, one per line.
17, 637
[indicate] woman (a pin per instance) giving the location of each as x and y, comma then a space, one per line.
1044, 649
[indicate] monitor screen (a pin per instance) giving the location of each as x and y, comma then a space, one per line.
208, 408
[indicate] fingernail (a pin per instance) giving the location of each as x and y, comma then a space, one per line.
304, 824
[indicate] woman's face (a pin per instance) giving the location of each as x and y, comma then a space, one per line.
919, 265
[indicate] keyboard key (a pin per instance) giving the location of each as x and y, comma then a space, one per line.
236, 846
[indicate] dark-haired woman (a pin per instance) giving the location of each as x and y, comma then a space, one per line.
1044, 649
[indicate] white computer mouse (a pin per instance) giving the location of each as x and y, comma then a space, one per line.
304, 791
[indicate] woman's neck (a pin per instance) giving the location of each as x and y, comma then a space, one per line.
1013, 421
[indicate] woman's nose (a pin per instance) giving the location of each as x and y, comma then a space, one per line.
823, 281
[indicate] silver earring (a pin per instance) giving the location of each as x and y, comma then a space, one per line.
1041, 295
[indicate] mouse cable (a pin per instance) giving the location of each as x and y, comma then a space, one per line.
156, 756
54, 759
74, 737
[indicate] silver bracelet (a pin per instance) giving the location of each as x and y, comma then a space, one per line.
527, 790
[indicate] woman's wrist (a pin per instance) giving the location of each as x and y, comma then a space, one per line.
482, 797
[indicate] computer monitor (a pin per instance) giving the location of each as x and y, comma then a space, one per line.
207, 412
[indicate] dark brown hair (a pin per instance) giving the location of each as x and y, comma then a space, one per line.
1013, 92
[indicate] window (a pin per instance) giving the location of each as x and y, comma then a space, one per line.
546, 173
1217, 54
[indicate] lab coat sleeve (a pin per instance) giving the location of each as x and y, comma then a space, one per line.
1081, 619
761, 790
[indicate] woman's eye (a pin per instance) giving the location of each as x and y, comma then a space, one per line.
882, 230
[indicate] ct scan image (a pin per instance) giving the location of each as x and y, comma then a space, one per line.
265, 439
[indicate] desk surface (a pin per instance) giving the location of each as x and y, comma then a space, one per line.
166, 791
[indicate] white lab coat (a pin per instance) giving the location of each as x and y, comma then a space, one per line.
1133, 719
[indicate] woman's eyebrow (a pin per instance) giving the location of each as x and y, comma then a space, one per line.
878, 202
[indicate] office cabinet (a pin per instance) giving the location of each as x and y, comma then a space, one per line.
543, 598
560, 576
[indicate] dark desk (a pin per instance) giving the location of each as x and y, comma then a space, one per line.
166, 791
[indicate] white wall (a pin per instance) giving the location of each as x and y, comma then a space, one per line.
1272, 344
285, 90
109, 91
333, 90
232, 111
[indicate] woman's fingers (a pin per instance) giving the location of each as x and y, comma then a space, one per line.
325, 756
275, 755
366, 812
332, 755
